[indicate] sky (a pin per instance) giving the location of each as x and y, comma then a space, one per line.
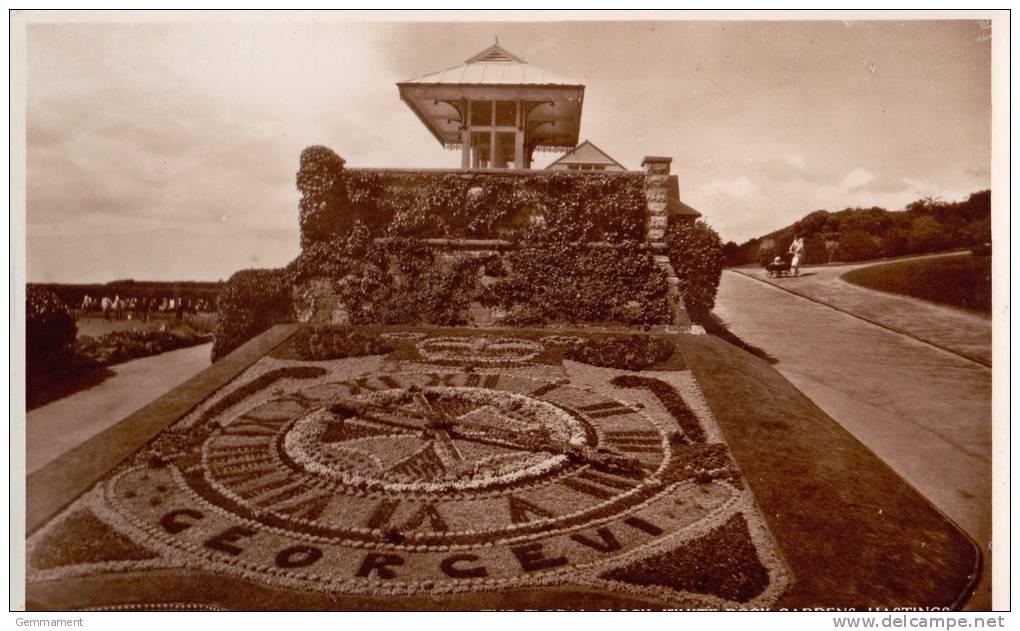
168, 151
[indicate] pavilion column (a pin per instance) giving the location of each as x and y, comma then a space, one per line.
465, 143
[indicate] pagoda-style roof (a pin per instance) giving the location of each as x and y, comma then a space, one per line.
493, 66
552, 103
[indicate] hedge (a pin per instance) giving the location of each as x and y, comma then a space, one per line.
251, 301
551, 280
695, 252
580, 206
50, 330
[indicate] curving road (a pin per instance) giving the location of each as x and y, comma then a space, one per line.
925, 411
61, 425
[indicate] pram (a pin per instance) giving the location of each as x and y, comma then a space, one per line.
779, 267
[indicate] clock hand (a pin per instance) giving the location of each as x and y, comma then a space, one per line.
535, 440
444, 427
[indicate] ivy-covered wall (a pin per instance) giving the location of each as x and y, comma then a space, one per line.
579, 206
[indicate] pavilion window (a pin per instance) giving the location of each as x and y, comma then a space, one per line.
504, 154
481, 154
481, 113
506, 114
496, 135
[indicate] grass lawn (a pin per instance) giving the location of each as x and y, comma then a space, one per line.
853, 532
960, 281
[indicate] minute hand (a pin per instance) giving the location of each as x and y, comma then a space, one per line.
525, 441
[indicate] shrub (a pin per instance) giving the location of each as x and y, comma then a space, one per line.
50, 330
733, 256
549, 279
857, 245
635, 352
250, 302
323, 343
122, 346
695, 251
895, 242
588, 206
320, 181
815, 251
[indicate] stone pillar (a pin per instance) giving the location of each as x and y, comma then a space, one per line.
657, 195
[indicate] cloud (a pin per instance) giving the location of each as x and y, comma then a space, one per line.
169, 150
856, 179
740, 187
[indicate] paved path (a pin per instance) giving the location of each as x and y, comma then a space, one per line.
924, 411
966, 333
63, 424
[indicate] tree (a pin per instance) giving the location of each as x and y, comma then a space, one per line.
812, 223
895, 242
732, 255
815, 251
50, 330
927, 235
857, 245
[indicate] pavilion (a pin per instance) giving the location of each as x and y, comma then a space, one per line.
497, 109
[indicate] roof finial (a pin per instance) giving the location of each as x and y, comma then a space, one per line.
497, 40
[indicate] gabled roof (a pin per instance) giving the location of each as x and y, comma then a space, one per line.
600, 156
493, 66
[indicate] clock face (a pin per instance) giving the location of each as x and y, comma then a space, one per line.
434, 465
452, 478
467, 472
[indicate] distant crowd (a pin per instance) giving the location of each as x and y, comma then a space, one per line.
117, 308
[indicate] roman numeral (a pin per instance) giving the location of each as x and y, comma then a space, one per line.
636, 442
521, 510
243, 476
607, 408
644, 526
606, 542
383, 512
251, 426
600, 485
544, 389
265, 487
241, 453
228, 459
356, 386
309, 507
446, 379
428, 513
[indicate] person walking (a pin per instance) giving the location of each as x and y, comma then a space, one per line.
797, 251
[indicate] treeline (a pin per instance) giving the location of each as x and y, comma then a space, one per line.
858, 234
73, 294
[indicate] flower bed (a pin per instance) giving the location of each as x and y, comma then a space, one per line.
320, 343
121, 346
387, 478
635, 352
